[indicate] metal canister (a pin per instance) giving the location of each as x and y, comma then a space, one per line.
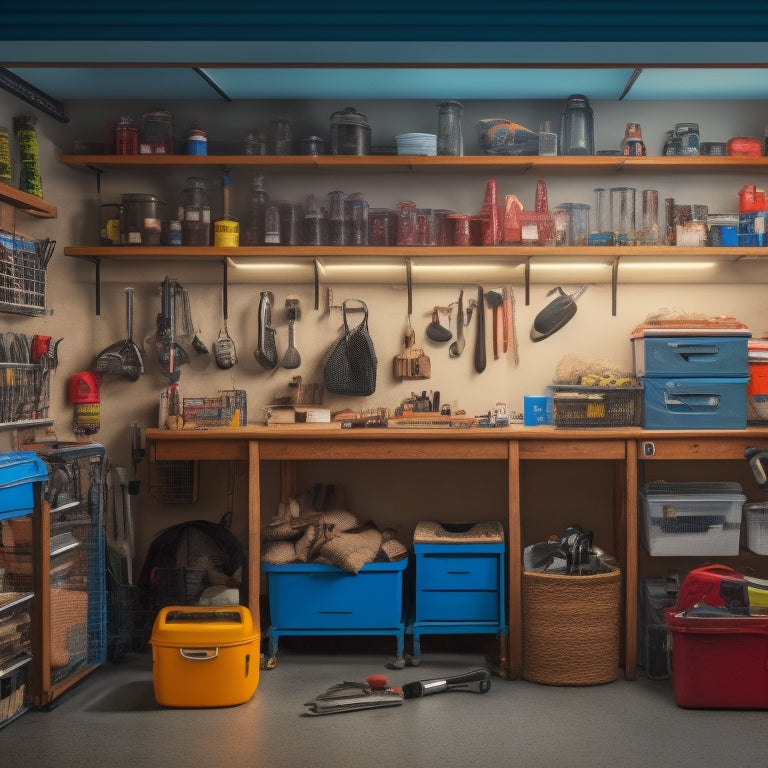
141, 219
157, 133
350, 133
197, 142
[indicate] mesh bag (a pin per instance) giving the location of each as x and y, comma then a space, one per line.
350, 367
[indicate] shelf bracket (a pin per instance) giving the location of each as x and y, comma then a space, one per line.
527, 280
316, 275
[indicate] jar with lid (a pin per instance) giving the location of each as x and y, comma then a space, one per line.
197, 141
315, 223
577, 129
291, 222
688, 134
350, 133
29, 154
336, 221
157, 132
407, 223
195, 212
356, 215
141, 219
126, 136
254, 230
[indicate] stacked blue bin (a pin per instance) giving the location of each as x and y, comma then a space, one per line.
19, 474
693, 381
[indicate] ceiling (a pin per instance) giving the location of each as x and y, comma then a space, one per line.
492, 49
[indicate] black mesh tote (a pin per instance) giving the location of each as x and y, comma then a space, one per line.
350, 366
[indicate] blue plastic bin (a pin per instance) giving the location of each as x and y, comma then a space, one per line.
18, 473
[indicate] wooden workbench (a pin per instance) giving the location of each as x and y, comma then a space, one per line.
627, 448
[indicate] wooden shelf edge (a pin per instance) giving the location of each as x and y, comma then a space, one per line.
522, 162
29, 204
490, 252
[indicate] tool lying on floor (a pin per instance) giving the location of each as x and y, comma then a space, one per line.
375, 692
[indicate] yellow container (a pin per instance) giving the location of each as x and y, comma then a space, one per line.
204, 656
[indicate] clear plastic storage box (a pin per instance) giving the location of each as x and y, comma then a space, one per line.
691, 518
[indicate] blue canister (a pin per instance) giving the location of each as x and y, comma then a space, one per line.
197, 142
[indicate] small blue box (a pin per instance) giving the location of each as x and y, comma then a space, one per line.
691, 356
712, 403
18, 472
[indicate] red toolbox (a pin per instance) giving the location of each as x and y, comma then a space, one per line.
719, 663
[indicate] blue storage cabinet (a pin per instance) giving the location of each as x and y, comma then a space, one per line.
693, 382
316, 599
459, 581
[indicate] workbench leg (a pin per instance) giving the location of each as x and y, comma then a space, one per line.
254, 531
515, 563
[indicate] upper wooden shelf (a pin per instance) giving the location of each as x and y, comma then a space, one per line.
524, 163
23, 201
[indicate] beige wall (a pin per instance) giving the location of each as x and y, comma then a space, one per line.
738, 289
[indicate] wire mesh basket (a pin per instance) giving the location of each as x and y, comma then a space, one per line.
583, 406
22, 274
24, 392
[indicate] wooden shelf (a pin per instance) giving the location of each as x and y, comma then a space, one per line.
23, 201
502, 252
523, 163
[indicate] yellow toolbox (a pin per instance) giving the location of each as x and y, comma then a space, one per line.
204, 656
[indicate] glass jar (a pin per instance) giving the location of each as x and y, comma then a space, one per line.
141, 219
407, 229
649, 233
195, 213
623, 215
688, 136
254, 230
356, 219
382, 226
315, 223
126, 136
449, 136
291, 223
350, 133
157, 133
336, 222
577, 129
109, 224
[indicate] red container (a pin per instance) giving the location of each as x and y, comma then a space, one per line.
719, 663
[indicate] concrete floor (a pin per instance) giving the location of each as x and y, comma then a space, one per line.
111, 719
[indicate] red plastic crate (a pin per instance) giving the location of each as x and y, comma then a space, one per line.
719, 663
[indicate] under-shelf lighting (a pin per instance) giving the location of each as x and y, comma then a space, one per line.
668, 265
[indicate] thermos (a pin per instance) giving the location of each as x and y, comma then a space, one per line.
577, 128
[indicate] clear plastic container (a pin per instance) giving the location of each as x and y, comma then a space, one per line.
195, 213
407, 229
623, 215
336, 222
254, 230
450, 140
382, 226
126, 136
356, 219
350, 133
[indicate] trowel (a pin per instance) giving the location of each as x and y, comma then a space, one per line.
556, 314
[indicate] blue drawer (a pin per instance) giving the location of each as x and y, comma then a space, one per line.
466, 571
715, 403
698, 356
18, 472
319, 596
458, 606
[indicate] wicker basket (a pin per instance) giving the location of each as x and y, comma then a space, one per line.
571, 628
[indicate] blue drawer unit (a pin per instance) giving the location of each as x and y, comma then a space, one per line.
691, 356
318, 599
459, 582
713, 403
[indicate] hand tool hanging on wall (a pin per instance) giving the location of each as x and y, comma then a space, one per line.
266, 350
480, 358
495, 299
187, 325
172, 354
457, 346
436, 331
224, 352
556, 314
122, 358
292, 358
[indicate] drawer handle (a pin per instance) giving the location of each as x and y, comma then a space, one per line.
335, 613
199, 654
458, 573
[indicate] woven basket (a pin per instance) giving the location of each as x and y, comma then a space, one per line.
571, 628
